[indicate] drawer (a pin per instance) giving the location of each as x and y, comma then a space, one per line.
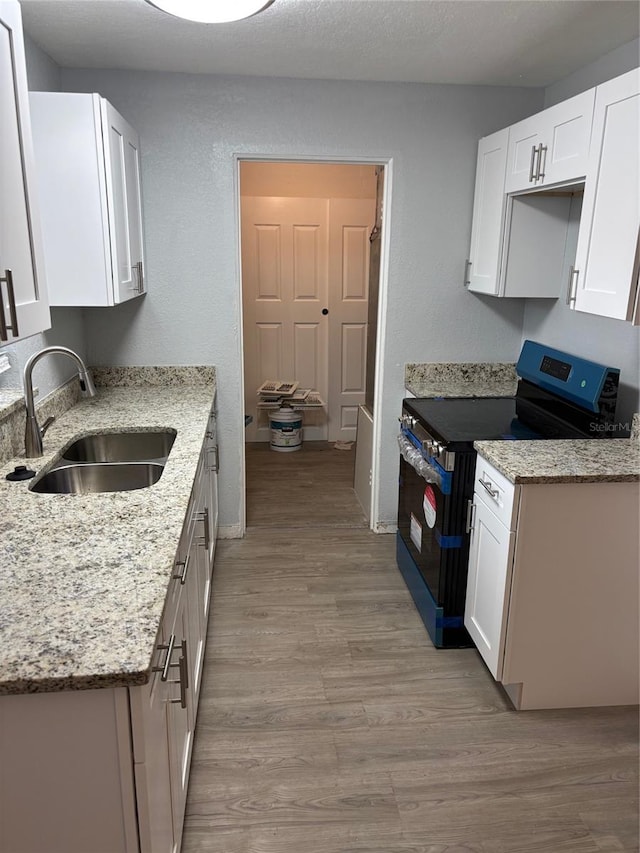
497, 492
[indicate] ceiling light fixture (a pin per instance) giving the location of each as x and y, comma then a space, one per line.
211, 11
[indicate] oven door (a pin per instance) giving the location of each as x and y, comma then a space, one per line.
431, 526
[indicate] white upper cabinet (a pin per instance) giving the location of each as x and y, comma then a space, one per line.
483, 264
88, 169
552, 146
605, 276
527, 200
517, 242
24, 308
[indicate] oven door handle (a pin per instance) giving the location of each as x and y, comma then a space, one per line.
470, 516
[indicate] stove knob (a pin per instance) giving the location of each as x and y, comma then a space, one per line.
438, 447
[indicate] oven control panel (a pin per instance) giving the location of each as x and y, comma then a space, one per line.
426, 443
590, 385
556, 368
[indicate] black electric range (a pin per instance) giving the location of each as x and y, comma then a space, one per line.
559, 396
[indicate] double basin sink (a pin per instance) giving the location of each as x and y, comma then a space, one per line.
108, 462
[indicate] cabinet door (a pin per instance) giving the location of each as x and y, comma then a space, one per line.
198, 590
124, 201
24, 307
552, 146
488, 581
524, 138
152, 753
606, 264
567, 134
180, 723
488, 214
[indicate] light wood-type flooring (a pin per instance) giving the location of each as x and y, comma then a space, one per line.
310, 487
328, 723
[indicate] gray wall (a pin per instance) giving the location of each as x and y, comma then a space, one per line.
612, 342
190, 128
67, 326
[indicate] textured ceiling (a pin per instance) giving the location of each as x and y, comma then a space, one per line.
491, 42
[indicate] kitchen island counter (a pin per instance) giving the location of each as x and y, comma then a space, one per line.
85, 577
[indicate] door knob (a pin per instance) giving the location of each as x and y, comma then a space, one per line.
325, 311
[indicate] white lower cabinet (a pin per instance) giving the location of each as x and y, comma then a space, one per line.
107, 771
552, 590
489, 564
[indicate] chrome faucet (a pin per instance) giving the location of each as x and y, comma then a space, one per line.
34, 433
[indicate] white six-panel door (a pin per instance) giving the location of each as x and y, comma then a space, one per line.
300, 257
285, 284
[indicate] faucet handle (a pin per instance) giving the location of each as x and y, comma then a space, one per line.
45, 426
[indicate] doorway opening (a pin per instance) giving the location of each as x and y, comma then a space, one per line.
310, 256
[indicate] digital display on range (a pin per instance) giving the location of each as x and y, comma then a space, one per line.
558, 369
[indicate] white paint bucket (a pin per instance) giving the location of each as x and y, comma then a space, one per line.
286, 430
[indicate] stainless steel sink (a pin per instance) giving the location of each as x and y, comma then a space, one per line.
100, 477
122, 447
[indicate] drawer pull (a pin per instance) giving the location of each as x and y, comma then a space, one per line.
489, 488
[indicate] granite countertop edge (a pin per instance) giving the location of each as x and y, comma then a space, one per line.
564, 460
85, 577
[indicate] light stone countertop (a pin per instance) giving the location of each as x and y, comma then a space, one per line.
615, 460
84, 577
461, 379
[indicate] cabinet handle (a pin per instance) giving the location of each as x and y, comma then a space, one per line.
140, 275
164, 669
204, 518
183, 680
13, 314
489, 488
182, 576
4, 335
467, 268
542, 162
214, 465
532, 167
572, 288
470, 513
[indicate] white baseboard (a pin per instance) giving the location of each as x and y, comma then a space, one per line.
385, 527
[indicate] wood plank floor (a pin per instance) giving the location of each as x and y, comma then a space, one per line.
311, 487
328, 723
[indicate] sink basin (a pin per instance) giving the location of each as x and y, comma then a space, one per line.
101, 477
121, 447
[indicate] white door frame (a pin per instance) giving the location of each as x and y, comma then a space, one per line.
387, 162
